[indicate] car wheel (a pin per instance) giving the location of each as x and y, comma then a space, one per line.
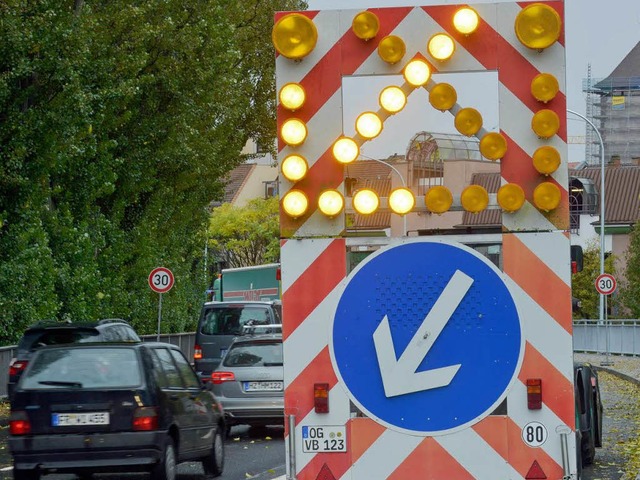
166, 468
213, 464
26, 475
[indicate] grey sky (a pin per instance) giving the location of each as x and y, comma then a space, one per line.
597, 32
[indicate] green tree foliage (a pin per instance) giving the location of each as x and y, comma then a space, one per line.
117, 120
630, 289
583, 283
245, 236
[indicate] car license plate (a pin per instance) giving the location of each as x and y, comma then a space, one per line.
263, 386
324, 439
74, 419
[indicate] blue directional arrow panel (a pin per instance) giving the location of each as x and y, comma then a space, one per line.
477, 336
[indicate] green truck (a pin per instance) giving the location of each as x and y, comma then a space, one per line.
256, 283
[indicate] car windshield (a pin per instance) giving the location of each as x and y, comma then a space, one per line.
254, 354
230, 320
82, 368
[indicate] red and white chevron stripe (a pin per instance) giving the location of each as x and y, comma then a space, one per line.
535, 254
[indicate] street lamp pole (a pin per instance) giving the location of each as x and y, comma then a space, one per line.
602, 209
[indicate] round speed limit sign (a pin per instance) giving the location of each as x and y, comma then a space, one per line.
161, 280
606, 284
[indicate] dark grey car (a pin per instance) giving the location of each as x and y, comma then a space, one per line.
250, 381
93, 408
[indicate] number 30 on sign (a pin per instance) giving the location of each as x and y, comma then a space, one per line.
161, 280
606, 284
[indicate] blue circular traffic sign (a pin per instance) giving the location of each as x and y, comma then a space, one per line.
426, 337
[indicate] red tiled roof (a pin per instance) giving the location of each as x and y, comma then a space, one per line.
235, 180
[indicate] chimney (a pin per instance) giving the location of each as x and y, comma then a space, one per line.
615, 161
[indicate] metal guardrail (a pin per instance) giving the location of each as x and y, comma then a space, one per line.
620, 337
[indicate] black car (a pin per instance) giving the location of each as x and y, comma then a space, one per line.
588, 411
96, 408
57, 333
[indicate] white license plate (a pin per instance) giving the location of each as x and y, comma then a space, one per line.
263, 386
74, 419
324, 439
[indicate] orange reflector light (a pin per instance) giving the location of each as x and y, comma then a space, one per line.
534, 393
197, 352
321, 397
535, 472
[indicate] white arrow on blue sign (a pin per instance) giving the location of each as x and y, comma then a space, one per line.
426, 337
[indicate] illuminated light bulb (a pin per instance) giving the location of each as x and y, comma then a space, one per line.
474, 198
331, 202
441, 46
294, 167
345, 150
368, 125
392, 99
468, 121
546, 196
365, 25
365, 201
538, 26
417, 73
510, 197
443, 96
438, 199
295, 203
466, 20
402, 201
292, 96
391, 49
546, 160
493, 146
294, 36
544, 87
293, 131
545, 123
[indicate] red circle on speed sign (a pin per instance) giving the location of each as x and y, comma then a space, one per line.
606, 284
161, 280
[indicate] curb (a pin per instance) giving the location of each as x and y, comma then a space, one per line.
618, 374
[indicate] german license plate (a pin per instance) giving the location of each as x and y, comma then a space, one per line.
324, 439
74, 419
263, 386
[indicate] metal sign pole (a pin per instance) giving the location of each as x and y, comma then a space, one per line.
159, 315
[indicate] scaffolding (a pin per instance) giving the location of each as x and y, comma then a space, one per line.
613, 105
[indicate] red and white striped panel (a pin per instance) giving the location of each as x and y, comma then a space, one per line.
536, 254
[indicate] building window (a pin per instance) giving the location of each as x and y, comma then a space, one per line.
270, 189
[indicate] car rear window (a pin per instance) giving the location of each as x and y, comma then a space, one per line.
230, 320
52, 336
82, 368
254, 354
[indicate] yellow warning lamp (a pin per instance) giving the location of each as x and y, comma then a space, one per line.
468, 121
546, 196
392, 99
438, 199
365, 201
544, 87
510, 197
441, 46
295, 203
443, 96
493, 146
331, 202
545, 123
391, 49
368, 125
546, 160
466, 20
294, 132
474, 198
417, 73
294, 167
365, 25
292, 96
402, 201
345, 150
294, 36
538, 26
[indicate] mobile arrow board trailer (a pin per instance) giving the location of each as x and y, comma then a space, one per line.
429, 358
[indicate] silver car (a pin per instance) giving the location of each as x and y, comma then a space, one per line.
249, 382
